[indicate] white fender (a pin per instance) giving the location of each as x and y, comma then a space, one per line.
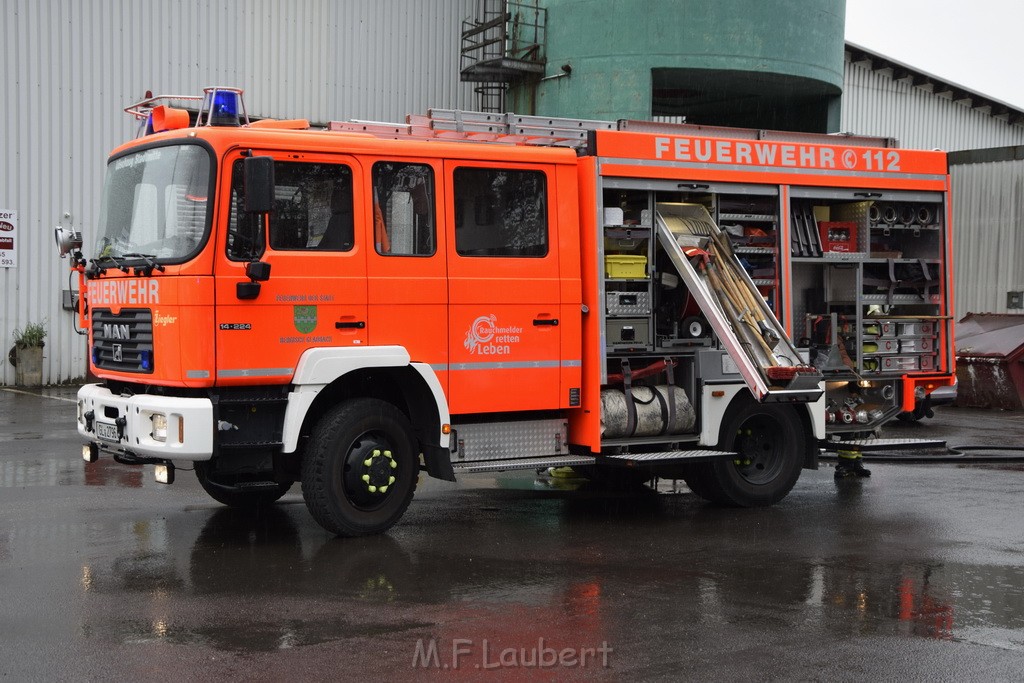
319, 367
714, 408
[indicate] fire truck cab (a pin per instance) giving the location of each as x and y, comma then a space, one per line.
346, 307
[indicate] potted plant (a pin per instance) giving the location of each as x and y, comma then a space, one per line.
27, 355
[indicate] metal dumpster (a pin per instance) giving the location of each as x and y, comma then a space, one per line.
990, 361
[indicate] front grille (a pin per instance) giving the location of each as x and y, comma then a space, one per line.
123, 342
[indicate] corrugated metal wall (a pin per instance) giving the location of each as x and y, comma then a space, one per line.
988, 234
875, 104
71, 66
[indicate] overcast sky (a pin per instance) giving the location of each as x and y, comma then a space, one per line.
978, 44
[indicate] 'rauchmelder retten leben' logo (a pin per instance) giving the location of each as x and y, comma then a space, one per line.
485, 338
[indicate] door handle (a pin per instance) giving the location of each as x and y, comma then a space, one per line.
545, 321
357, 325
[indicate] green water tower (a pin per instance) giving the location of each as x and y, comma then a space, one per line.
751, 63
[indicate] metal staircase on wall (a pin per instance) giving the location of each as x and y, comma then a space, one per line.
504, 44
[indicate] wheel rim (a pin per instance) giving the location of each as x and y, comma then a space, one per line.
370, 475
759, 446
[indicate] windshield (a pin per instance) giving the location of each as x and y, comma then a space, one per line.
155, 204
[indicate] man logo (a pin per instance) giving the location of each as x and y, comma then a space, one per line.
304, 318
111, 331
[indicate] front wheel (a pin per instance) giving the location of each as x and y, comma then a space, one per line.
359, 470
769, 442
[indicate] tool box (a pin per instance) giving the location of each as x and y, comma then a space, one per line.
627, 303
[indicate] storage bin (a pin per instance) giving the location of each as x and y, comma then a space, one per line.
878, 328
882, 346
625, 267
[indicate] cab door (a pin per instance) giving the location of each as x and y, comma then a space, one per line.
407, 273
316, 294
503, 287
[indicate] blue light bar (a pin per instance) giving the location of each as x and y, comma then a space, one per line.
224, 109
146, 360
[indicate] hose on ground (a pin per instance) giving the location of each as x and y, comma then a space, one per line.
952, 455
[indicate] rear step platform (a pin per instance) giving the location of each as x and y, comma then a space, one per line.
869, 445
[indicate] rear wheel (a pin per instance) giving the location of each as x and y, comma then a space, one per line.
360, 467
769, 442
237, 493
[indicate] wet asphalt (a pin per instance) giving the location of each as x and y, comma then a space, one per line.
915, 573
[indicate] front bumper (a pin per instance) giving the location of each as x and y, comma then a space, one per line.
125, 424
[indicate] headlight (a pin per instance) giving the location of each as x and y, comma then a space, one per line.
159, 426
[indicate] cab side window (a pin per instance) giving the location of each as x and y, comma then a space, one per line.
312, 210
403, 209
500, 212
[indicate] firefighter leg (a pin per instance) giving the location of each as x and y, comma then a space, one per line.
851, 464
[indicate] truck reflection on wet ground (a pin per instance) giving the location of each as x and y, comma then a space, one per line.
530, 555
904, 570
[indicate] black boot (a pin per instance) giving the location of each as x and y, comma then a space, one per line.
851, 467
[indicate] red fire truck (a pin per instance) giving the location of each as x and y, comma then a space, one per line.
468, 292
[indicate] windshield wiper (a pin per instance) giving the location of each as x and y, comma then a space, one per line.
99, 270
151, 265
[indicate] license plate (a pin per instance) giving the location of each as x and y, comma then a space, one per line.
107, 432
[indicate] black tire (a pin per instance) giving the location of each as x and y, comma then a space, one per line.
360, 467
921, 410
769, 440
612, 478
695, 476
236, 499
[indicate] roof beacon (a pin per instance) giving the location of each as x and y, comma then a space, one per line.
222, 106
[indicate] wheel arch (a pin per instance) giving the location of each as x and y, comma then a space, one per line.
805, 412
325, 378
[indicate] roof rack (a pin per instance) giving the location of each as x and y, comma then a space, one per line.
458, 125
516, 129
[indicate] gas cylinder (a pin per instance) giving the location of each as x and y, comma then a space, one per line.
651, 411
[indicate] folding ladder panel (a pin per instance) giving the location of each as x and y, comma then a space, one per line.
765, 357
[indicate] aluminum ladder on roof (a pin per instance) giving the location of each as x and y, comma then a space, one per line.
764, 355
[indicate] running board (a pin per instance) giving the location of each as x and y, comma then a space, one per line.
522, 464
663, 457
765, 356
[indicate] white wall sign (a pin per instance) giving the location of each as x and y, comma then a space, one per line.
8, 238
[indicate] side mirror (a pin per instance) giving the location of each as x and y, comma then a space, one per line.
258, 173
257, 272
